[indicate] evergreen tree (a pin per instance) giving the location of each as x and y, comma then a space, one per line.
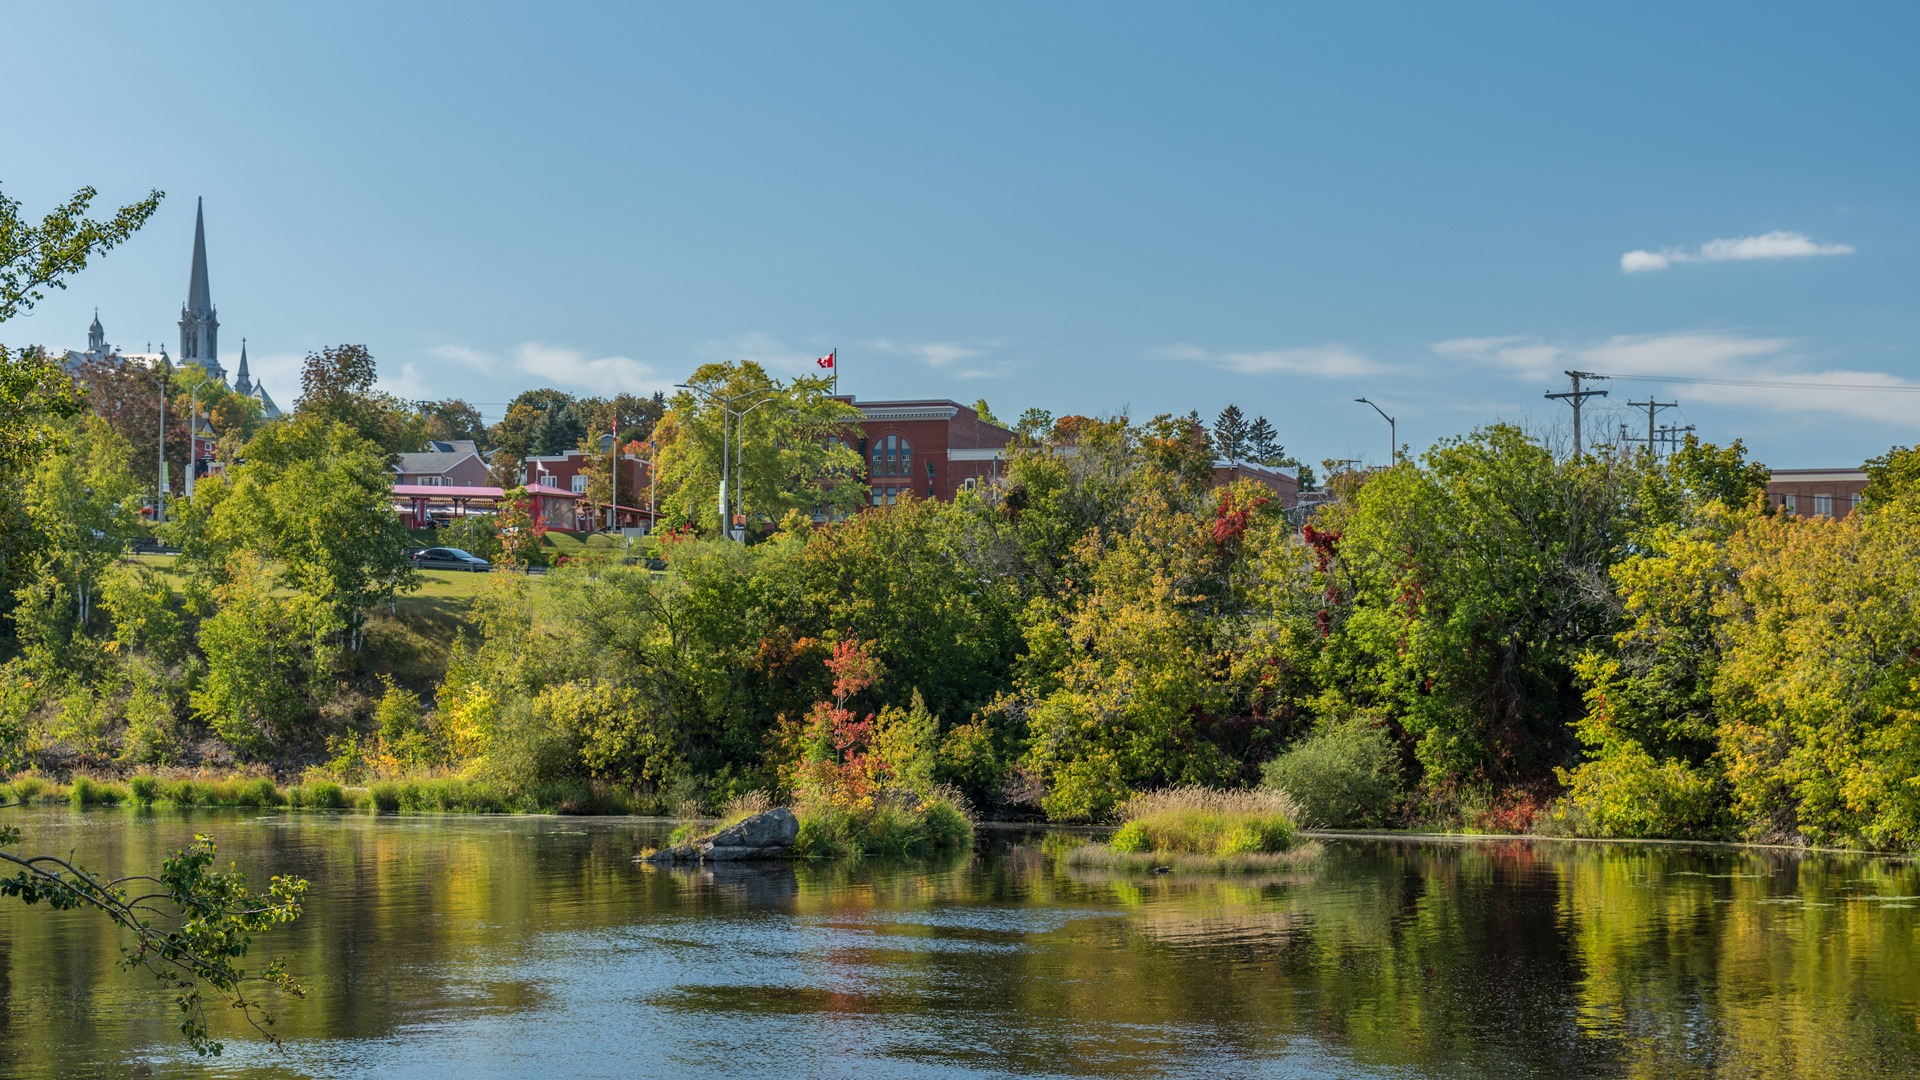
1263, 443
1230, 433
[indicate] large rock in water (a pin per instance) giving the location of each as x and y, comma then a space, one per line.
763, 836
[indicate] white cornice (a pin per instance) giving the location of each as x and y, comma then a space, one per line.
909, 412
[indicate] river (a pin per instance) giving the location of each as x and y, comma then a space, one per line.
479, 947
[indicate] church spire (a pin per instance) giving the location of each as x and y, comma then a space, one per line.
199, 296
242, 384
199, 326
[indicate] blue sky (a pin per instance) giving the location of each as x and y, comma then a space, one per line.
1081, 207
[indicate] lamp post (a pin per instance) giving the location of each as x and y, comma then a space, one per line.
1393, 432
726, 446
160, 487
739, 459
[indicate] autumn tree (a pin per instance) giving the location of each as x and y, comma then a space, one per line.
336, 386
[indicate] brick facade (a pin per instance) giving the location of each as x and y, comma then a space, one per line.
934, 448
1813, 492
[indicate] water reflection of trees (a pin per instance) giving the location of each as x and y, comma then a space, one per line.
1512, 958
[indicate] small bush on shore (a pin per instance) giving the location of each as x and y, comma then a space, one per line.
145, 789
1207, 821
86, 791
318, 795
1344, 775
901, 825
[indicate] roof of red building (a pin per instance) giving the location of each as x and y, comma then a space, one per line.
449, 491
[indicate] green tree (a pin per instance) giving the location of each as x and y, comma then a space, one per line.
1471, 583
86, 504
206, 916
315, 497
250, 696
34, 391
1232, 435
796, 453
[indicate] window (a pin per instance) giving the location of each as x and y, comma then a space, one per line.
1823, 504
1790, 503
1853, 502
968, 483
879, 496
929, 468
892, 456
579, 483
432, 481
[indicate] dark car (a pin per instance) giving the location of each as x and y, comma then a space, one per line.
450, 559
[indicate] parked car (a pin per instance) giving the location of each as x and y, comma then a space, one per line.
443, 558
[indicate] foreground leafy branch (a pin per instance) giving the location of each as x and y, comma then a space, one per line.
189, 931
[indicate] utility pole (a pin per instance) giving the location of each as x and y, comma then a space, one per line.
1652, 408
1578, 397
1393, 432
1671, 436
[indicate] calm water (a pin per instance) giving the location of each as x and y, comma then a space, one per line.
518, 947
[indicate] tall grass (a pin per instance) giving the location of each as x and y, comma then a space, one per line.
1205, 821
901, 825
316, 792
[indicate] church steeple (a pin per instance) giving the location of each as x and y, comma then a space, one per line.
242, 384
96, 335
199, 326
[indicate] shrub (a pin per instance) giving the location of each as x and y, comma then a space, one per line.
145, 789
324, 795
386, 795
181, 793
899, 825
26, 787
261, 792
1207, 821
1629, 794
1345, 774
87, 791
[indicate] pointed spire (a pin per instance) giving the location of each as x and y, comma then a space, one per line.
242, 384
199, 296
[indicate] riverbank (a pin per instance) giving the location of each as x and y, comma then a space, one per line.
439, 795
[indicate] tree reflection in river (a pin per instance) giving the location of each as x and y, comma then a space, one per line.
481, 947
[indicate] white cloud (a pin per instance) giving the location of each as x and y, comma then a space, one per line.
553, 365
763, 349
1325, 361
605, 375
1696, 355
1635, 261
1773, 245
934, 354
943, 355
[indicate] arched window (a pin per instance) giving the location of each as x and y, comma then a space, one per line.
892, 456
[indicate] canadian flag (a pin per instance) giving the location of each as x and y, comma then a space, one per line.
827, 360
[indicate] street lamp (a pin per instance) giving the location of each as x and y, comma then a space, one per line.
726, 446
160, 488
1393, 431
740, 458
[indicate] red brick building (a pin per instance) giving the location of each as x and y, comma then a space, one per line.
1816, 492
568, 472
1283, 482
933, 448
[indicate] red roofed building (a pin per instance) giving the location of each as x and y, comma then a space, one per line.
932, 447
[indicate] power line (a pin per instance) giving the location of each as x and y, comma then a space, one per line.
1758, 382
